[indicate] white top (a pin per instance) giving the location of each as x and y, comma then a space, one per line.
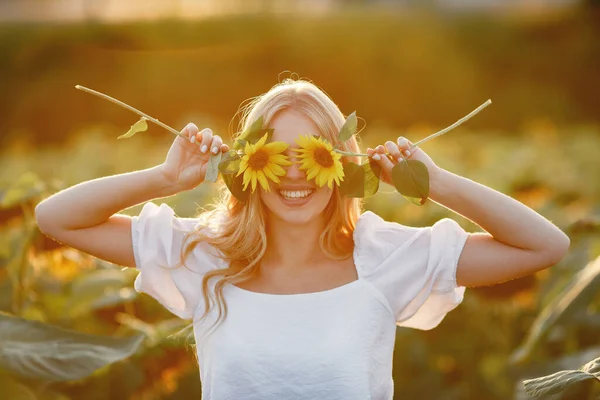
334, 344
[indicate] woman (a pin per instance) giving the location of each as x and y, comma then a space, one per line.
300, 290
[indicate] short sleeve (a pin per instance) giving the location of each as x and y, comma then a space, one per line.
414, 268
157, 236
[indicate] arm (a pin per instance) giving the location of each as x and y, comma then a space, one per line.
84, 216
519, 240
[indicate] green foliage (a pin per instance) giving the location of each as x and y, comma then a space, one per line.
353, 184
411, 179
561, 381
139, 126
349, 128
40, 351
577, 295
212, 170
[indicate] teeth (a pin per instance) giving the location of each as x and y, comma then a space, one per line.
295, 194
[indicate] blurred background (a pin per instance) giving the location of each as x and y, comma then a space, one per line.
72, 326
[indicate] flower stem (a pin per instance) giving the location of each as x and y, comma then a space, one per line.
127, 106
454, 125
434, 135
349, 153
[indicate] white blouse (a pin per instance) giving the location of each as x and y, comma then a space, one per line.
332, 344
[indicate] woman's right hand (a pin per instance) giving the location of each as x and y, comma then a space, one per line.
186, 162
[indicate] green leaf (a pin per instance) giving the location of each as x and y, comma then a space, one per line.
229, 167
353, 184
212, 169
41, 351
563, 380
139, 126
253, 134
577, 295
239, 144
349, 128
101, 288
235, 186
411, 179
230, 163
372, 177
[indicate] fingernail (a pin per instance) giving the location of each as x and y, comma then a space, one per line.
193, 139
204, 148
407, 152
376, 157
215, 150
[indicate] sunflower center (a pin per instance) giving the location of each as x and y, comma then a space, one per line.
323, 157
258, 160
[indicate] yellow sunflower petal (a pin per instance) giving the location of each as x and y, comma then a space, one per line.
306, 142
276, 169
248, 150
263, 181
279, 159
246, 179
261, 142
243, 166
270, 174
312, 173
253, 181
321, 178
327, 145
311, 163
276, 147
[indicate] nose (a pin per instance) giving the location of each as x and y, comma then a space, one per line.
293, 171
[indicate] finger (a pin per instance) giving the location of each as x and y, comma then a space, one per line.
206, 135
404, 145
370, 151
384, 161
380, 149
216, 144
190, 131
224, 148
393, 149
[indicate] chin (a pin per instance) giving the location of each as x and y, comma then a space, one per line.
296, 205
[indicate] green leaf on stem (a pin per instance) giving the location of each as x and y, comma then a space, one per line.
411, 179
139, 126
353, 184
372, 177
228, 164
235, 186
229, 167
212, 169
349, 128
253, 134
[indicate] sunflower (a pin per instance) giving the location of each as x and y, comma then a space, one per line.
319, 160
261, 161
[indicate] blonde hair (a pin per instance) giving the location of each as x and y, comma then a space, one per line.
240, 236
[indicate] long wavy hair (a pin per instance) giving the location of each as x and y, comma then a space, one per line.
239, 232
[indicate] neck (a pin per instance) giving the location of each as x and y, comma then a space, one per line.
292, 247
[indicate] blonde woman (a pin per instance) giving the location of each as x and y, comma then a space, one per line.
300, 290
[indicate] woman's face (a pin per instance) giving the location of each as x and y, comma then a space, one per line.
294, 199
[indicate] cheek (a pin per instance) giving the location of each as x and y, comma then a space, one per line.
324, 196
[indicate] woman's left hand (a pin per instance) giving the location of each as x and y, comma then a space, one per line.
387, 157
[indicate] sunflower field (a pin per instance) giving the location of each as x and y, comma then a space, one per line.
72, 326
